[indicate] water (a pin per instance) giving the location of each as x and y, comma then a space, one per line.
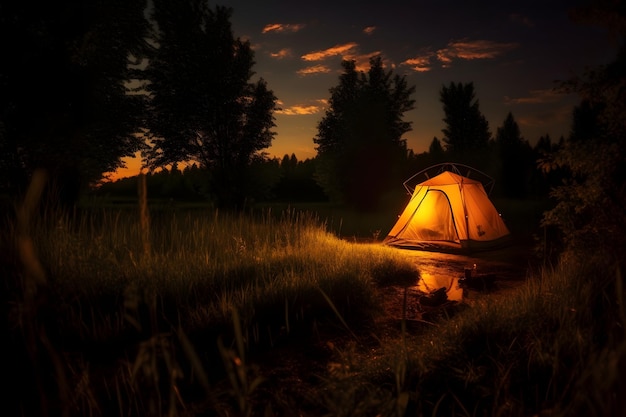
431, 282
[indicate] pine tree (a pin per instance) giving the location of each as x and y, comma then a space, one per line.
515, 159
466, 130
360, 146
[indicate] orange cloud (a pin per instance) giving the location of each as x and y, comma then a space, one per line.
420, 63
299, 110
315, 69
464, 49
535, 97
362, 62
444, 58
478, 49
369, 30
326, 53
283, 53
282, 27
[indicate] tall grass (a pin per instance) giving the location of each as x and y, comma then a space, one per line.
209, 263
121, 312
129, 325
556, 346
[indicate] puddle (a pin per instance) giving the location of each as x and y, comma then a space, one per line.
430, 282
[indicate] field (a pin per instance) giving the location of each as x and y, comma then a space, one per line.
286, 311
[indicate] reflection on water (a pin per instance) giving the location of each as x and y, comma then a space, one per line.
429, 283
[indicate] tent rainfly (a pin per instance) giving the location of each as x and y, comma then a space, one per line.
449, 212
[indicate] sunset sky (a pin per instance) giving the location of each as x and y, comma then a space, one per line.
513, 52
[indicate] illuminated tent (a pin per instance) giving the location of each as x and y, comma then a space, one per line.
448, 211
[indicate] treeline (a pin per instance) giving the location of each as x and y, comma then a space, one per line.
284, 180
292, 180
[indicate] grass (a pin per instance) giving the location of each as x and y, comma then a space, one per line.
555, 346
187, 312
127, 323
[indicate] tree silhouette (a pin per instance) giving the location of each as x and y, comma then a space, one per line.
515, 159
590, 203
542, 181
436, 151
435, 147
359, 141
64, 99
467, 130
203, 106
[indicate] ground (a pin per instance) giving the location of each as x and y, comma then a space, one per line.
297, 367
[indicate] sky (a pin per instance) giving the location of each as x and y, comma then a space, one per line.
514, 52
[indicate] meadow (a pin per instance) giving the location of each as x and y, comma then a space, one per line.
199, 312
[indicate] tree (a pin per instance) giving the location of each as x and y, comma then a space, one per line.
542, 181
467, 130
436, 151
590, 202
435, 147
515, 159
359, 142
204, 107
65, 104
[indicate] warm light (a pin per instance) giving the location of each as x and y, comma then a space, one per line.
132, 168
429, 283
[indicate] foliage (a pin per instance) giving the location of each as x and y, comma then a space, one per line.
467, 129
590, 202
271, 180
542, 181
66, 102
203, 106
297, 181
360, 147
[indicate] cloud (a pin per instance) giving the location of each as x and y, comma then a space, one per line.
315, 69
420, 63
478, 49
283, 27
327, 53
369, 30
463, 49
300, 110
346, 51
362, 61
304, 109
283, 53
536, 97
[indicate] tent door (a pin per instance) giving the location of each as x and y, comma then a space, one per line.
433, 219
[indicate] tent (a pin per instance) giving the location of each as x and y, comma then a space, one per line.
449, 211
